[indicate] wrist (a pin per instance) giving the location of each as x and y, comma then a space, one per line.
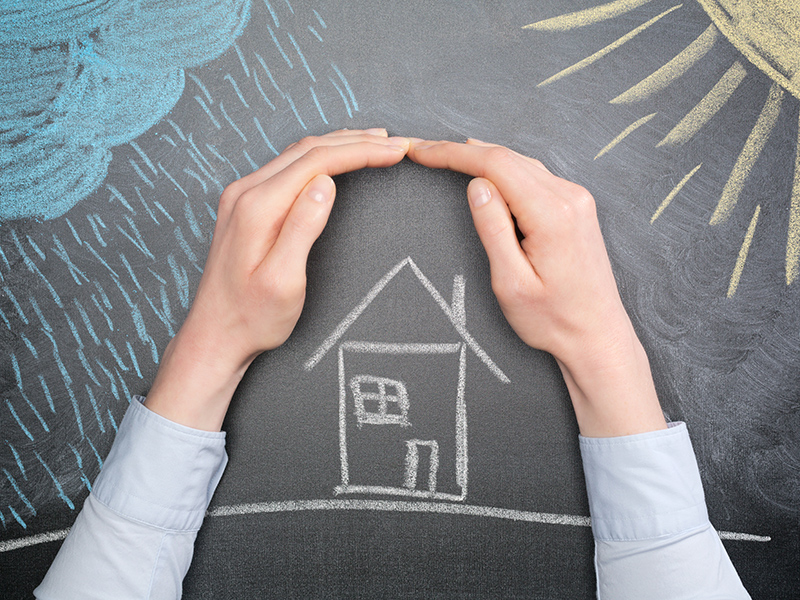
612, 389
196, 379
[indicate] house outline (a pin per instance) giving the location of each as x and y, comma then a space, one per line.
456, 315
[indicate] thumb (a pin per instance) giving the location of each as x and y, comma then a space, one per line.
495, 228
304, 223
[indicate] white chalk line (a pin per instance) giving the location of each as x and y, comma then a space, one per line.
432, 507
354, 314
377, 505
456, 315
33, 540
397, 491
398, 506
743, 537
400, 348
455, 320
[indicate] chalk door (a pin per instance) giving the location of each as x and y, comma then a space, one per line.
422, 465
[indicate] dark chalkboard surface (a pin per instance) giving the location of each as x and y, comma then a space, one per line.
119, 131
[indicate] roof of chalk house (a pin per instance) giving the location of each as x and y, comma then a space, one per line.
454, 313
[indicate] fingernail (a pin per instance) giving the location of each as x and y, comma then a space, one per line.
478, 194
320, 189
414, 140
422, 146
377, 131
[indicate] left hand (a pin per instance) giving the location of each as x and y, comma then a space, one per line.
253, 285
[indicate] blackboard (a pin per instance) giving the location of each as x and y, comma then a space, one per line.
111, 176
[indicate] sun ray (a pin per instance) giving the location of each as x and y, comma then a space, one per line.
671, 196
610, 48
752, 150
707, 107
793, 240
671, 71
743, 251
589, 16
625, 133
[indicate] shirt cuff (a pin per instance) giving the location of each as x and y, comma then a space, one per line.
159, 472
643, 486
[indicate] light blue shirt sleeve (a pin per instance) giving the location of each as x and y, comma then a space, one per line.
652, 535
134, 537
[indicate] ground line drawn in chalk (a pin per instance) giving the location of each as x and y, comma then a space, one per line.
256, 508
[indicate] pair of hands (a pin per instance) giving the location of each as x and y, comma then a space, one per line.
556, 287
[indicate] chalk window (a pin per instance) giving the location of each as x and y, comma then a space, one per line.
380, 401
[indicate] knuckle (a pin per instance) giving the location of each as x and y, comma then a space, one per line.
501, 156
230, 194
299, 225
299, 147
306, 144
575, 206
584, 202
318, 153
495, 229
567, 210
509, 287
285, 288
246, 203
538, 163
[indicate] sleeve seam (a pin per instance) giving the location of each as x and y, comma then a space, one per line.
165, 530
663, 536
649, 515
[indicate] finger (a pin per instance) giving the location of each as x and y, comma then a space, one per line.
339, 133
479, 160
284, 186
303, 225
533, 161
526, 188
496, 230
295, 151
258, 215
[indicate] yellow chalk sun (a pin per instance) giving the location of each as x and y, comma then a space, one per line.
767, 33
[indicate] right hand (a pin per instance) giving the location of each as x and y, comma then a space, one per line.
556, 287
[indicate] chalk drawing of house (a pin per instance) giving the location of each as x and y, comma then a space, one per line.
402, 412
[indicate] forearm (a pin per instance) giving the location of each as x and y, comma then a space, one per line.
611, 387
196, 380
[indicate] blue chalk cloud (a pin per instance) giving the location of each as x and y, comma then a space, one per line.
80, 77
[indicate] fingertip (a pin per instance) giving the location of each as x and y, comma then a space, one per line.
321, 189
479, 192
